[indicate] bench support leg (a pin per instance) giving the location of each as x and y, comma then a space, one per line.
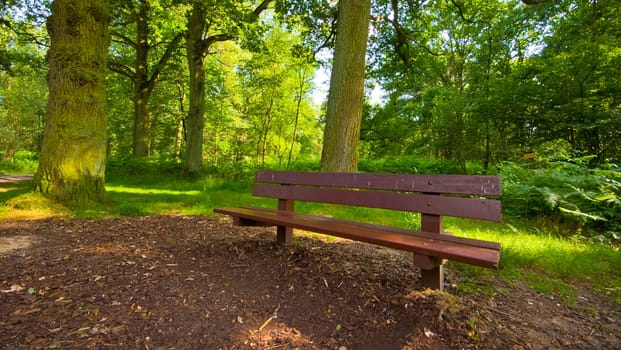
434, 278
432, 270
284, 234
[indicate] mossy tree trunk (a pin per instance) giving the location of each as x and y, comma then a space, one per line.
73, 153
194, 122
344, 115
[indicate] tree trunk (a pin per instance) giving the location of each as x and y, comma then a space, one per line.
344, 115
198, 44
195, 122
10, 147
266, 128
302, 87
142, 89
73, 153
179, 132
144, 76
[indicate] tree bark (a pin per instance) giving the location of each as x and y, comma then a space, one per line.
195, 122
142, 89
344, 115
73, 153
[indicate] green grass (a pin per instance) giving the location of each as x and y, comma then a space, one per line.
17, 201
545, 261
530, 253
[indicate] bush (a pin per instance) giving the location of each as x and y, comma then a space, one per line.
589, 200
24, 162
414, 165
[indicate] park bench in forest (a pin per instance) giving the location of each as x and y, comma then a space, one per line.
433, 196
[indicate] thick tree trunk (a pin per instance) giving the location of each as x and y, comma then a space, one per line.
142, 123
344, 115
142, 88
73, 153
195, 122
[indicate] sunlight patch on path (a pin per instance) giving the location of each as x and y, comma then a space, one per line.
8, 244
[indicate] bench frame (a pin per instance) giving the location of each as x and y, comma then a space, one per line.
434, 196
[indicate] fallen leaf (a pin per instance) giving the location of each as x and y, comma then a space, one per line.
14, 288
428, 333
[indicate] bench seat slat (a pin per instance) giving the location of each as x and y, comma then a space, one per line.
456, 184
474, 208
475, 254
423, 234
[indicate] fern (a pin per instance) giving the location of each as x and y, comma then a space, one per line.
574, 193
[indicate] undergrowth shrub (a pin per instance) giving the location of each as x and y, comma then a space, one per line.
587, 201
414, 165
23, 162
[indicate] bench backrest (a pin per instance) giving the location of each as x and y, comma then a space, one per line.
442, 195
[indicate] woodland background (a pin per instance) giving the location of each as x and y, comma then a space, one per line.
498, 87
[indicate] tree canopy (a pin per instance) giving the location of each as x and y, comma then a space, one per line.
227, 84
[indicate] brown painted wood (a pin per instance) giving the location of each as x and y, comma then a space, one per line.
284, 234
475, 208
438, 247
456, 184
434, 196
432, 268
430, 235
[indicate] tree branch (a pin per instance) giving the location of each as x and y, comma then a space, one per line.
121, 69
403, 38
461, 11
534, 2
262, 7
124, 39
172, 46
22, 33
330, 37
225, 37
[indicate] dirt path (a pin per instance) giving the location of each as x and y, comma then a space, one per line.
15, 178
177, 282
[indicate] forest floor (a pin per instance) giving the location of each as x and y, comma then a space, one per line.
192, 282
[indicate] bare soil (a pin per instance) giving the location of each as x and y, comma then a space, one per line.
180, 282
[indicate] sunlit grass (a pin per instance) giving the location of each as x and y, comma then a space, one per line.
26, 205
545, 261
154, 191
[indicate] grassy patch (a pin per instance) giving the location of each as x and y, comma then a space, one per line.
21, 203
546, 262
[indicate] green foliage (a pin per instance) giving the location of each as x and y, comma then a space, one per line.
587, 201
415, 165
23, 162
23, 95
487, 81
275, 117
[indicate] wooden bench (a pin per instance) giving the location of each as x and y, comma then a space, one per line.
434, 196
